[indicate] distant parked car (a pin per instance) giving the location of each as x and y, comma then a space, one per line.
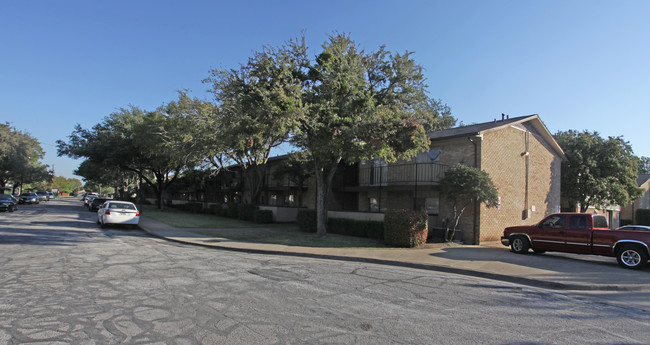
634, 227
118, 212
89, 198
8, 203
29, 198
43, 195
96, 203
52, 195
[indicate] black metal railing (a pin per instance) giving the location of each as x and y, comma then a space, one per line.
270, 181
402, 174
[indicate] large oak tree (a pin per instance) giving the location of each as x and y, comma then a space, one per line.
599, 172
255, 108
20, 155
155, 145
358, 106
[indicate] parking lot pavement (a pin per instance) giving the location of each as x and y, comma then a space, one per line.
490, 260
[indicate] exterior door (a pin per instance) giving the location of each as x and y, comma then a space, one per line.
550, 234
577, 235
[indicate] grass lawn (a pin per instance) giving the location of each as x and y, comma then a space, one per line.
239, 230
183, 219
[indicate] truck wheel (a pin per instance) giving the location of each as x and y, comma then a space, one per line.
634, 257
520, 245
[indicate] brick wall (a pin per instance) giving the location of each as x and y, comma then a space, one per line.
501, 157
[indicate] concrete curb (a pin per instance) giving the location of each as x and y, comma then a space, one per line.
431, 267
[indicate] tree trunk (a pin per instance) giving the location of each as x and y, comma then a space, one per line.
254, 176
324, 177
160, 190
449, 236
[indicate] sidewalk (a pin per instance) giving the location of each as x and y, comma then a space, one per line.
490, 260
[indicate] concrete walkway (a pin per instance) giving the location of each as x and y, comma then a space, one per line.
490, 260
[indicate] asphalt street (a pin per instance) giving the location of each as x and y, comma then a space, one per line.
63, 280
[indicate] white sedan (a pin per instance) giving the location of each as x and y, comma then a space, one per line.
118, 212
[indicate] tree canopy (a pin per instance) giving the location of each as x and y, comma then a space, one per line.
644, 165
20, 155
156, 145
355, 105
599, 171
255, 113
67, 185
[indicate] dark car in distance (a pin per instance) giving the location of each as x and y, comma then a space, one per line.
96, 203
8, 203
29, 198
43, 195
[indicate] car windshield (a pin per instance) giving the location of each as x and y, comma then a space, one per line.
5, 196
28, 194
121, 205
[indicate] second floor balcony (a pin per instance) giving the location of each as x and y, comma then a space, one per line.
407, 174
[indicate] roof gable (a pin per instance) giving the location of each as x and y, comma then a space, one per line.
642, 178
480, 128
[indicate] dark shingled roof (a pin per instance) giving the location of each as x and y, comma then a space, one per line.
476, 128
480, 128
642, 179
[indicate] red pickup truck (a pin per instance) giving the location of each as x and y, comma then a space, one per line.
581, 233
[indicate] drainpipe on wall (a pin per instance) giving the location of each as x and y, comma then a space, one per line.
476, 236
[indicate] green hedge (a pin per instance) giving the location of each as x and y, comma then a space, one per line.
405, 228
643, 216
306, 220
232, 210
246, 212
214, 209
194, 207
263, 216
358, 228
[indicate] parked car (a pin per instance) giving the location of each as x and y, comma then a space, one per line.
96, 203
29, 198
43, 195
118, 212
8, 202
52, 195
581, 233
634, 227
88, 199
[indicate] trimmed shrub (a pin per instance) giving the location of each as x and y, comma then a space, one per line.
213, 209
358, 228
247, 212
307, 220
232, 210
374, 229
263, 216
643, 216
405, 228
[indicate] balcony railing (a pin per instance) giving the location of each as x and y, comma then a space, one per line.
283, 182
402, 174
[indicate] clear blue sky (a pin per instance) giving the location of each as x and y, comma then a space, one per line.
582, 65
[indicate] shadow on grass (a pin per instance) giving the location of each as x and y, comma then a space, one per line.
290, 235
239, 230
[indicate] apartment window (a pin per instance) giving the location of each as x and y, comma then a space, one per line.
374, 205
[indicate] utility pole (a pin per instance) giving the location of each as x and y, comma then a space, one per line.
52, 178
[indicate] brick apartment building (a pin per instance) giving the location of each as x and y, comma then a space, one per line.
519, 154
